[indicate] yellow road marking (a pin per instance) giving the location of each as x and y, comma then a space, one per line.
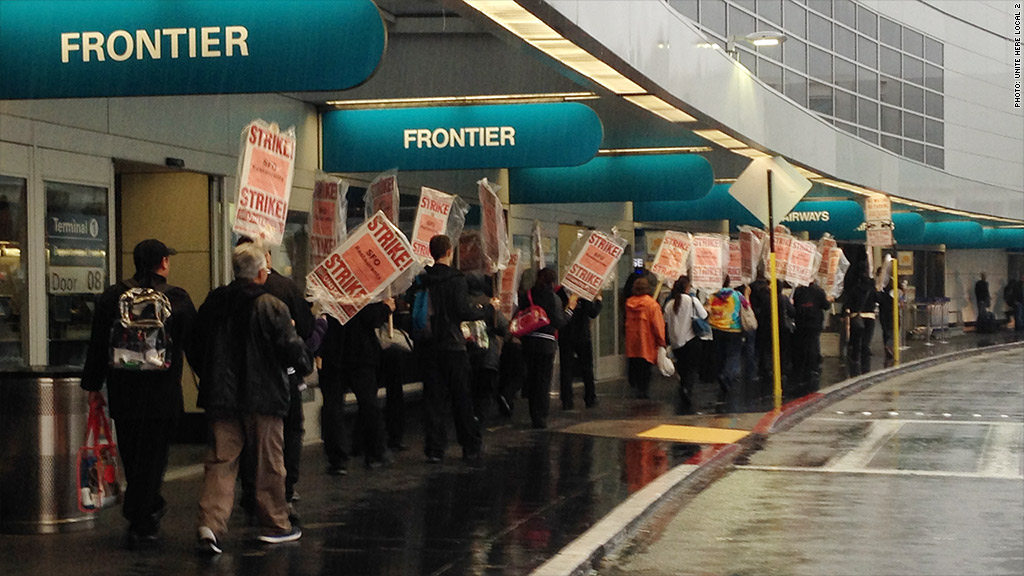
694, 434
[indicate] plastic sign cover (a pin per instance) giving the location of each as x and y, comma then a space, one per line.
593, 264
372, 259
327, 218
266, 167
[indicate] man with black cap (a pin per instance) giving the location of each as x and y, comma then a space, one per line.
144, 404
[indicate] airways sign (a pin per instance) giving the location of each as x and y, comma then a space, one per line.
96, 48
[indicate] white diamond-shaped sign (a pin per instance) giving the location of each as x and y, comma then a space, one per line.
751, 188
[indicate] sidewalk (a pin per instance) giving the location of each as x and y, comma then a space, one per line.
537, 492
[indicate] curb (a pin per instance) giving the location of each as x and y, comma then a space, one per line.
624, 522
619, 526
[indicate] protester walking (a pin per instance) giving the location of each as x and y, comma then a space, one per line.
810, 303
484, 347
645, 333
145, 405
724, 309
576, 350
982, 295
243, 343
680, 310
539, 346
443, 357
859, 301
350, 359
286, 290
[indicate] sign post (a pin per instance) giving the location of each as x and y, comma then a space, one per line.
748, 192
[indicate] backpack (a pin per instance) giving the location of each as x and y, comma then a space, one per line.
422, 311
138, 338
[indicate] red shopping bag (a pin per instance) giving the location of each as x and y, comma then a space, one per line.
100, 479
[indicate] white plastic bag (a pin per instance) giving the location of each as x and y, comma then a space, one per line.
665, 364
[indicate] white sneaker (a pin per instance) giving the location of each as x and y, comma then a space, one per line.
208, 541
290, 536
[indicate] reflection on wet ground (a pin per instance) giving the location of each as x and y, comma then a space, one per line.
536, 492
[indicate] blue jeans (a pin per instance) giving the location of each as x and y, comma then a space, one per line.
727, 351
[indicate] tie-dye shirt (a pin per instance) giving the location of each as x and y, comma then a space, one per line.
724, 310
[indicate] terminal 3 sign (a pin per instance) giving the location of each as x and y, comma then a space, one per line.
460, 137
97, 48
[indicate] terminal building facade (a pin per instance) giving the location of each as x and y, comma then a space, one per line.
919, 101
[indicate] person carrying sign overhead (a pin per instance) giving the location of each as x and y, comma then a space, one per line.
443, 356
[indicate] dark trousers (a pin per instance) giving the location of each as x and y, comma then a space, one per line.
511, 371
576, 357
483, 388
806, 360
640, 376
859, 353
727, 353
362, 380
143, 445
390, 377
446, 385
540, 366
688, 368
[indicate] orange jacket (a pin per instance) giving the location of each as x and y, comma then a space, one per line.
645, 328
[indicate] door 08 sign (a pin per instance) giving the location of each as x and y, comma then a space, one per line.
265, 170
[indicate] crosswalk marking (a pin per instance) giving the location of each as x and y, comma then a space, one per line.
878, 435
1001, 454
885, 472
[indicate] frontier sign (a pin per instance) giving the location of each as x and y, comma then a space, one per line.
98, 48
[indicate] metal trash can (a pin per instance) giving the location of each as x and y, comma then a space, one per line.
43, 413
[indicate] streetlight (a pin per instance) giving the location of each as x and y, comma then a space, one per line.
756, 39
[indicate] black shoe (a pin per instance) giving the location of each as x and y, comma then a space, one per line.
504, 406
135, 540
435, 458
591, 403
566, 406
293, 497
538, 425
293, 514
398, 447
337, 470
377, 463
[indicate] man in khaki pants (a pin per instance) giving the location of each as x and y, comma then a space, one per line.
243, 342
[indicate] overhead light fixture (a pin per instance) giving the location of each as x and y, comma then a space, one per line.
756, 39
463, 100
653, 150
751, 153
521, 22
720, 138
658, 106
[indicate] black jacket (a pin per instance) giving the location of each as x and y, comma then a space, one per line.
577, 327
355, 342
155, 394
810, 303
449, 301
242, 343
288, 291
860, 296
497, 326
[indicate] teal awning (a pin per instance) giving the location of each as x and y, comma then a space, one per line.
958, 234
659, 177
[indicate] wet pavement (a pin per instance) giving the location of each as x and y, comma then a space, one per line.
535, 492
920, 474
